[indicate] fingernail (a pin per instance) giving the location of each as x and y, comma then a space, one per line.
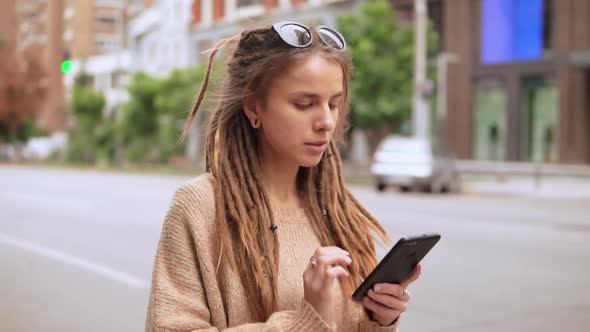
346, 252
377, 288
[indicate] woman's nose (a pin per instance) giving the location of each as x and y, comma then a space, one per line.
325, 119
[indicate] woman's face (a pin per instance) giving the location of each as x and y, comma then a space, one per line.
301, 112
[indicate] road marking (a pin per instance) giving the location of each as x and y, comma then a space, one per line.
83, 264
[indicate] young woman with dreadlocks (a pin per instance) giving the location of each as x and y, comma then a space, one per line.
235, 248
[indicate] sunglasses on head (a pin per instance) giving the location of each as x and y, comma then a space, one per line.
298, 35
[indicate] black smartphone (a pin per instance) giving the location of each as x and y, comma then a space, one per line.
399, 262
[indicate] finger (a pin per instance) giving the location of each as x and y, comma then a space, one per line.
384, 320
339, 259
389, 289
336, 272
332, 250
406, 297
378, 318
389, 301
414, 275
379, 309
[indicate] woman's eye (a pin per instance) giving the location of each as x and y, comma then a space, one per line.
333, 106
303, 106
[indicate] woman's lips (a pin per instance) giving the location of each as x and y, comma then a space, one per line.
317, 147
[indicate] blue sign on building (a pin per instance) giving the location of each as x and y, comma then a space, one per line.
511, 30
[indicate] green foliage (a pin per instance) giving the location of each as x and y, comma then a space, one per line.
85, 137
140, 116
173, 102
83, 80
382, 51
146, 129
87, 106
30, 129
152, 121
23, 133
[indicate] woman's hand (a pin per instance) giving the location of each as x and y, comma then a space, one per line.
386, 302
326, 264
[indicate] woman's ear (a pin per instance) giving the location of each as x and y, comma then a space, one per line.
249, 105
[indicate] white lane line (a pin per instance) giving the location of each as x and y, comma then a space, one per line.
83, 264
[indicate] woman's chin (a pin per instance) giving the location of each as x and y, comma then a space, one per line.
310, 161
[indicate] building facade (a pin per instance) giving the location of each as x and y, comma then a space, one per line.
8, 28
520, 90
213, 20
159, 37
71, 29
32, 19
40, 23
95, 27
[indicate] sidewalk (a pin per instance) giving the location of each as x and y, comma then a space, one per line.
526, 179
518, 179
546, 187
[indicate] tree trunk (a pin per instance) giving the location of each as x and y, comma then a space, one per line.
12, 140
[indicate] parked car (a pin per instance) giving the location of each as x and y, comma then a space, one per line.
413, 164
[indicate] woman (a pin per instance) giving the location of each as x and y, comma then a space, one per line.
235, 248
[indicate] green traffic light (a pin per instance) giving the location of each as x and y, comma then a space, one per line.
66, 66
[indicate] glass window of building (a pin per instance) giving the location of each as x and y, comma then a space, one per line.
490, 128
246, 3
539, 114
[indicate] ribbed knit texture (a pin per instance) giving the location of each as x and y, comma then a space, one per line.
187, 294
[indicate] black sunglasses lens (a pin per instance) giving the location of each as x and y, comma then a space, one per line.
295, 35
332, 38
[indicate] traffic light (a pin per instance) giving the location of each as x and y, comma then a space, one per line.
66, 64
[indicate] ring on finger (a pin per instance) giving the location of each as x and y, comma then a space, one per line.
313, 262
405, 294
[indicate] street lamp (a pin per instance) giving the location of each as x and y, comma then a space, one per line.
442, 62
420, 110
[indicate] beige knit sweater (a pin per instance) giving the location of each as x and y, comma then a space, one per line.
187, 294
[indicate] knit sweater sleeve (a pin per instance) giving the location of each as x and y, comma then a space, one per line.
178, 301
372, 326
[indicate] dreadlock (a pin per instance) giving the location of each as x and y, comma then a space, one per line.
242, 207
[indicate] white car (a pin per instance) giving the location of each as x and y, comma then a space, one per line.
413, 164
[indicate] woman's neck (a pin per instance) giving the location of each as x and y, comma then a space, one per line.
280, 182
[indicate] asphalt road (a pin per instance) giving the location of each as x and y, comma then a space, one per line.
76, 253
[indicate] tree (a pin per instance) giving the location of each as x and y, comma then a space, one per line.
152, 120
382, 51
176, 100
137, 125
23, 89
87, 108
173, 102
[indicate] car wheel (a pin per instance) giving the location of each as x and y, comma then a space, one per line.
436, 187
455, 185
381, 187
404, 189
